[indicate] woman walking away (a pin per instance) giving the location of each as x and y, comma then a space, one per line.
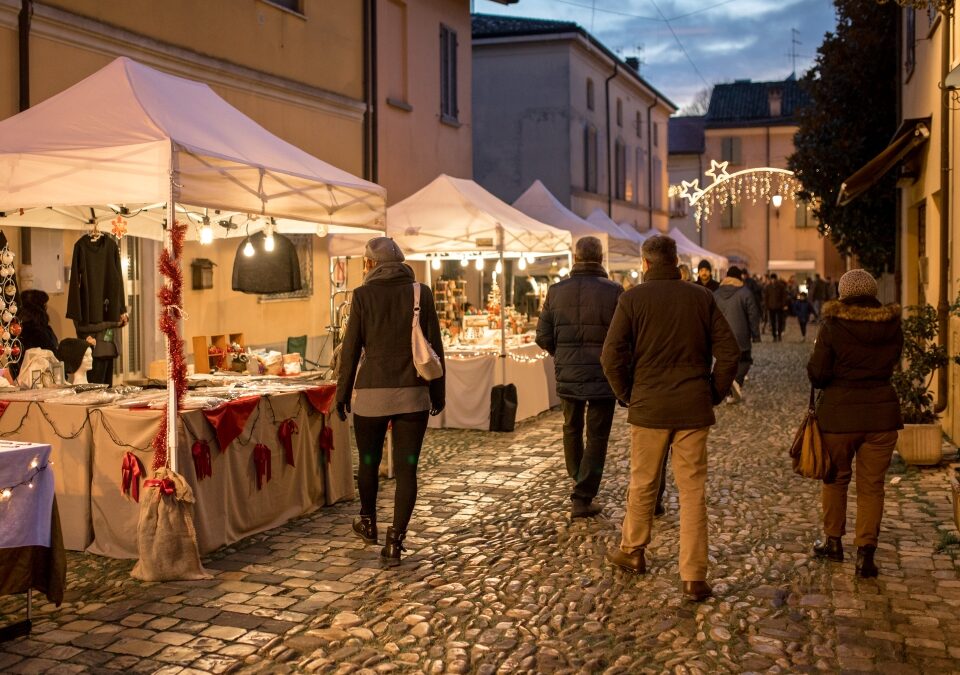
388, 389
802, 309
857, 349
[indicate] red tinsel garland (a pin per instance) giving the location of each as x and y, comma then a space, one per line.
171, 301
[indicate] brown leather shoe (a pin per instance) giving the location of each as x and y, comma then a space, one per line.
632, 562
696, 591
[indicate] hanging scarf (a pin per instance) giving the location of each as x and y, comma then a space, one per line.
202, 463
261, 462
130, 471
285, 434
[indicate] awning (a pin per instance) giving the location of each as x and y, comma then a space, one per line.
911, 135
791, 265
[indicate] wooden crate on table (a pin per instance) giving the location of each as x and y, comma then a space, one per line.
209, 352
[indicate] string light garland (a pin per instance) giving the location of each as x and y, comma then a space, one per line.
519, 358
6, 493
753, 186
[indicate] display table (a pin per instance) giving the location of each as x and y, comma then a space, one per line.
229, 504
471, 375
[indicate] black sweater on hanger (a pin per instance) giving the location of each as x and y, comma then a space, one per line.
96, 291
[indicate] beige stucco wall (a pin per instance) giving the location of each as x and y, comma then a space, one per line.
415, 145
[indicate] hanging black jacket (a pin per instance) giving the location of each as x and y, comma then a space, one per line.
96, 290
276, 271
572, 327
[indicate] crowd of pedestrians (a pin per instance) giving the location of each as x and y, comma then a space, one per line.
668, 350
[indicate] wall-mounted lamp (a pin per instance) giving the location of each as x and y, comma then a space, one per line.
777, 201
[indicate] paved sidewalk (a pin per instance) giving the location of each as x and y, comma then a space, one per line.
498, 579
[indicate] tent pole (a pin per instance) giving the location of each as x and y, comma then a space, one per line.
171, 387
503, 309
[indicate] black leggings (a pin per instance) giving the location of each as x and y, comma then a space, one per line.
407, 435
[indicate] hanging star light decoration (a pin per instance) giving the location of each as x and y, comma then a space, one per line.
714, 167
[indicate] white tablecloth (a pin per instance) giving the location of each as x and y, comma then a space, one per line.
25, 515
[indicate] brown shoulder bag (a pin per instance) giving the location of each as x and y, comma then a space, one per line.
809, 457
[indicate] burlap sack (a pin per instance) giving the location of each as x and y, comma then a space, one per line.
166, 538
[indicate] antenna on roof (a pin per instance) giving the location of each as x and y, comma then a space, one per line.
793, 49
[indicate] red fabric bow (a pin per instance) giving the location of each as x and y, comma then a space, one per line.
130, 471
285, 433
202, 464
229, 419
165, 485
321, 398
261, 462
3, 407
326, 442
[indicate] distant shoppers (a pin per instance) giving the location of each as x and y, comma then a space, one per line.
857, 349
388, 389
736, 303
35, 329
803, 310
685, 274
572, 327
705, 276
756, 291
817, 294
657, 357
775, 299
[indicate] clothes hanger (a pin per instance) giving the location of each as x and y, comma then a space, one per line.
94, 232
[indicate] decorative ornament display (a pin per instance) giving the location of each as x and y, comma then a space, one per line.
493, 299
10, 348
731, 189
118, 226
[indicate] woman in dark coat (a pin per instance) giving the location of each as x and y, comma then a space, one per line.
377, 353
857, 349
35, 330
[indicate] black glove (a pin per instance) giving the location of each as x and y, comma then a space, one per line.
437, 408
343, 409
622, 404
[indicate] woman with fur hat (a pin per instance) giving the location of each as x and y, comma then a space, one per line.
857, 349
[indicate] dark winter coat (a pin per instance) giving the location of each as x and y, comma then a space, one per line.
736, 303
802, 309
711, 285
775, 295
573, 325
381, 317
857, 349
96, 290
658, 352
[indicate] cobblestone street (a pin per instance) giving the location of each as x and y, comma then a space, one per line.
498, 579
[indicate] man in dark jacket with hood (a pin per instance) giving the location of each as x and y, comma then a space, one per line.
657, 357
739, 309
572, 328
705, 276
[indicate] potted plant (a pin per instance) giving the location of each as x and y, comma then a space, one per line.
921, 438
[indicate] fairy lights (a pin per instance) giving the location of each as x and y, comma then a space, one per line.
34, 469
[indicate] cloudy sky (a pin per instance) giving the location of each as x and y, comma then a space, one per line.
686, 45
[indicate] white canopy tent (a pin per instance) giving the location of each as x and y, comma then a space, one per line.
538, 202
134, 140
698, 253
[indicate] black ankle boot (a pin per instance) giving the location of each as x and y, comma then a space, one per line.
866, 568
365, 527
832, 549
390, 555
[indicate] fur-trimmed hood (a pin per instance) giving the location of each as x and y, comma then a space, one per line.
859, 312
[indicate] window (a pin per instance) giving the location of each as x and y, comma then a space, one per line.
910, 42
590, 102
658, 190
805, 217
448, 74
656, 134
639, 124
590, 158
292, 5
641, 166
619, 113
620, 170
730, 150
731, 217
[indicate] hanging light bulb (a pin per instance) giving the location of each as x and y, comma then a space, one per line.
479, 264
499, 268
206, 233
435, 263
464, 262
530, 258
634, 273
522, 264
563, 271
268, 243
322, 230
248, 249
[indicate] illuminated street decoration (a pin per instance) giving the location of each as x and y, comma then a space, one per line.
751, 186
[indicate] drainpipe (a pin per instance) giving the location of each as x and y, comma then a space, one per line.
606, 94
371, 167
767, 263
23, 29
943, 307
656, 100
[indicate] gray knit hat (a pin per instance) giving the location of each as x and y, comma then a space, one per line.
383, 249
858, 283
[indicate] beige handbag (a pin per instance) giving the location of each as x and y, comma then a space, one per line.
425, 360
810, 458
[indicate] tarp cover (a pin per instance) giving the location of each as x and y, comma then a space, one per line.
698, 253
114, 138
455, 216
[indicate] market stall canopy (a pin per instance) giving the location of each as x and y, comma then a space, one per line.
539, 203
912, 134
454, 217
115, 140
697, 252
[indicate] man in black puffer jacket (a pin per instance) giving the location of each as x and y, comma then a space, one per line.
572, 328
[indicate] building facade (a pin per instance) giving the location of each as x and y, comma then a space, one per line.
751, 125
552, 103
685, 145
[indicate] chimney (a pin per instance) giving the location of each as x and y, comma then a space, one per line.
775, 101
633, 62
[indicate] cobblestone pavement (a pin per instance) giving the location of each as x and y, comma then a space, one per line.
499, 580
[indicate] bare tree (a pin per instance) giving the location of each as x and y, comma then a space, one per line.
700, 102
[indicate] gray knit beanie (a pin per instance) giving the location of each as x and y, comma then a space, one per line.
383, 249
857, 283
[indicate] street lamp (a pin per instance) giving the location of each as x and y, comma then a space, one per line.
777, 202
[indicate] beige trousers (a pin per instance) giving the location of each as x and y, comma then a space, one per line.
689, 452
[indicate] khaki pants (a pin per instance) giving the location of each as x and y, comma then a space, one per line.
873, 452
689, 452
